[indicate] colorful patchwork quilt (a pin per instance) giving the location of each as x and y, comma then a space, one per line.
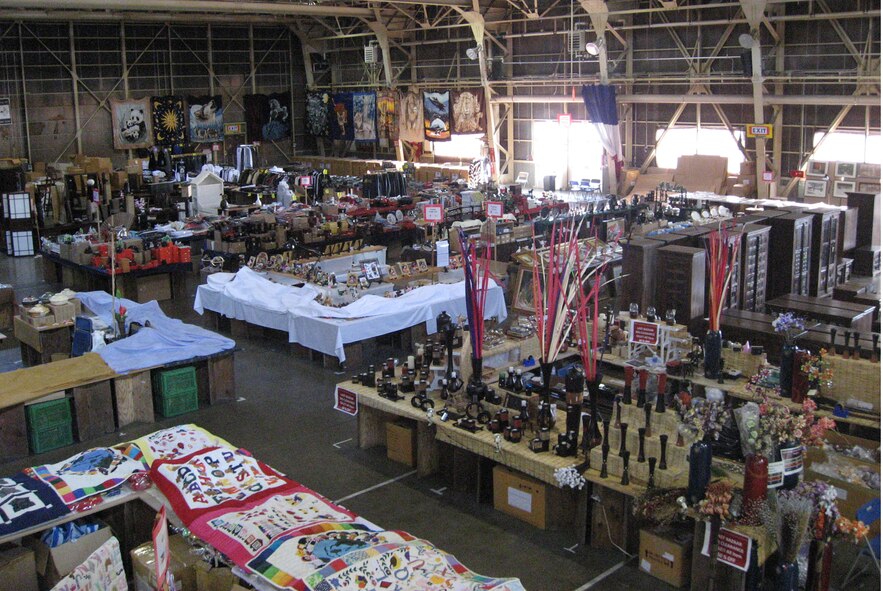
27, 502
102, 571
173, 443
88, 473
213, 478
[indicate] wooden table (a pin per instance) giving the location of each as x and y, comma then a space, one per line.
39, 343
839, 313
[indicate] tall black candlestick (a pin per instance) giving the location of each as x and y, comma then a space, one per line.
623, 429
651, 464
663, 442
641, 432
605, 451
618, 413
648, 410
625, 469
606, 432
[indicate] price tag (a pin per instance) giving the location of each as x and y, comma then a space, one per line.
494, 209
644, 333
346, 401
734, 549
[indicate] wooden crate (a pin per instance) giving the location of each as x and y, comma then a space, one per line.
93, 406
13, 433
134, 399
221, 379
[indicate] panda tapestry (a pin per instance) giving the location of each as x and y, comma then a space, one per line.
132, 124
468, 111
365, 116
206, 119
168, 120
437, 116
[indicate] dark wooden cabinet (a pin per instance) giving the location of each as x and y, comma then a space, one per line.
755, 256
694, 235
868, 228
848, 231
639, 272
680, 283
789, 260
823, 254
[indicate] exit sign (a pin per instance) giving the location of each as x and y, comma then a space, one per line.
564, 119
760, 130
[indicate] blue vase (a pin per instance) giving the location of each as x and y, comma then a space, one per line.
700, 471
786, 370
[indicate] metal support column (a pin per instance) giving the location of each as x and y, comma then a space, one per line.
74, 84
24, 92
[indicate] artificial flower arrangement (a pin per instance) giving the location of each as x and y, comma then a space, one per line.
789, 326
772, 424
718, 501
826, 522
701, 419
818, 370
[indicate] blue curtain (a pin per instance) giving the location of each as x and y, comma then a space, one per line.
600, 101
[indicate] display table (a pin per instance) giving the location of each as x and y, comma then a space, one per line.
140, 285
250, 297
39, 343
849, 314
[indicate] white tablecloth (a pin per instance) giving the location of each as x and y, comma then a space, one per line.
249, 296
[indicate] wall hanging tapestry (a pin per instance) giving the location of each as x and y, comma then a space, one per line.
168, 120
26, 502
212, 477
318, 113
410, 115
88, 473
437, 115
365, 116
468, 111
387, 122
268, 116
173, 443
102, 571
132, 124
342, 116
243, 533
206, 118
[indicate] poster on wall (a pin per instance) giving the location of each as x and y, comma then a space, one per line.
342, 120
437, 115
387, 123
5, 111
365, 116
168, 120
267, 116
468, 111
206, 123
318, 106
410, 117
132, 124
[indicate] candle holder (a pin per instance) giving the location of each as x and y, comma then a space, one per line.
605, 451
663, 442
623, 430
641, 433
627, 390
642, 386
625, 469
606, 440
648, 412
651, 464
618, 413
661, 380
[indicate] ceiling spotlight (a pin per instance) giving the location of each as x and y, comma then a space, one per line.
746, 40
473, 52
593, 48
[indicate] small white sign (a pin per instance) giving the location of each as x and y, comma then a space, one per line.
520, 499
442, 253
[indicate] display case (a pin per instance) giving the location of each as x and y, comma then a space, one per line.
823, 256
680, 282
755, 258
789, 260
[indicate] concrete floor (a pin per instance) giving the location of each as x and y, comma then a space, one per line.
284, 416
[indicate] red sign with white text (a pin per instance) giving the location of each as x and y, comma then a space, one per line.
494, 209
433, 213
644, 333
734, 549
346, 401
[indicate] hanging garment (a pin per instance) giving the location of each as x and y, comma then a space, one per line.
437, 115
244, 157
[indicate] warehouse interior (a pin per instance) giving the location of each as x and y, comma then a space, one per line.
725, 111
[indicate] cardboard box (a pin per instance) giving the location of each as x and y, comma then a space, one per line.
401, 443
213, 579
63, 312
53, 564
533, 501
667, 554
18, 569
832, 467
182, 563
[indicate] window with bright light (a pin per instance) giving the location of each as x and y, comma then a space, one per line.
463, 147
843, 146
690, 141
567, 152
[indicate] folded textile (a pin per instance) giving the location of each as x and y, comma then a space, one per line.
172, 443
102, 571
26, 502
68, 532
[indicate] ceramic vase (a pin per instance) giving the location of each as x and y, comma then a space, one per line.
786, 369
713, 345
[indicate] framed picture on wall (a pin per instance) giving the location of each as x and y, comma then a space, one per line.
868, 187
817, 168
866, 169
846, 169
815, 188
841, 188
522, 298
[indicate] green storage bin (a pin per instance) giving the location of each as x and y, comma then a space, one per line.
172, 405
177, 381
43, 415
51, 438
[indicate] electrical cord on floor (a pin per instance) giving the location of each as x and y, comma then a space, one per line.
610, 535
